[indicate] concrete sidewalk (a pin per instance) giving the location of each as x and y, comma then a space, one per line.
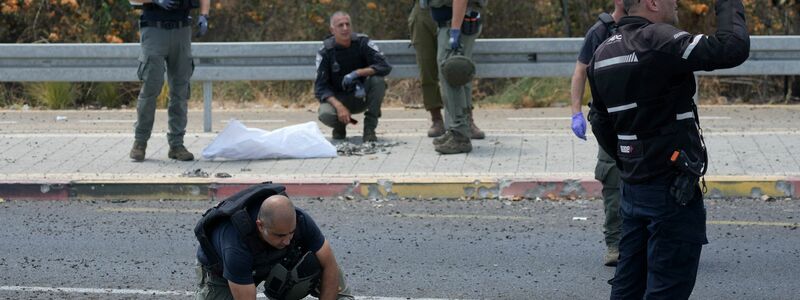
528, 153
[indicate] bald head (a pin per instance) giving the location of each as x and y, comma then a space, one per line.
276, 209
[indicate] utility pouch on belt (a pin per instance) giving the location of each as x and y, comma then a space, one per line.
686, 179
294, 283
471, 24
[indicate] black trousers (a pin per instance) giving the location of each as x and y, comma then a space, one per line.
661, 242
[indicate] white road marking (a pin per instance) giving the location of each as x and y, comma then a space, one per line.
106, 121
256, 121
568, 118
70, 290
403, 120
8, 122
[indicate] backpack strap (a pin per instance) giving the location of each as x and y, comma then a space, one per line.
608, 20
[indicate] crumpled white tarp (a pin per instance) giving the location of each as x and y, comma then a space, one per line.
296, 141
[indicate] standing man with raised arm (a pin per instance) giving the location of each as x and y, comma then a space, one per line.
166, 39
606, 170
644, 116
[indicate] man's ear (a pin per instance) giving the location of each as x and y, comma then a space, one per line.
652, 5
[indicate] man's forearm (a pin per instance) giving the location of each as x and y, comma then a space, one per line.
459, 10
205, 6
578, 87
329, 285
140, 1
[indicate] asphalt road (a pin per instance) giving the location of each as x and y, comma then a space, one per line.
402, 248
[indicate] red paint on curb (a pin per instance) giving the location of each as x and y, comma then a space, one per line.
29, 191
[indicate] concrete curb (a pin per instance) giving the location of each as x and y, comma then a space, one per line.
216, 189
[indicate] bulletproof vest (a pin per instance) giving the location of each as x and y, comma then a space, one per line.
652, 116
476, 4
234, 208
345, 60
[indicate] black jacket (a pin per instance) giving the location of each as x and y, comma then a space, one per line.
642, 85
335, 61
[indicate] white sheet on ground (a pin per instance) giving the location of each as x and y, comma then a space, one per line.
296, 141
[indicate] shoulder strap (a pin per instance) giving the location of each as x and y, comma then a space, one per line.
608, 20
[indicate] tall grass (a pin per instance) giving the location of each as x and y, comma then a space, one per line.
53, 95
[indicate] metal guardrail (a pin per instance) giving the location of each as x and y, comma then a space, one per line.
496, 58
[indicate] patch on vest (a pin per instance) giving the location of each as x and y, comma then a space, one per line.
372, 45
630, 149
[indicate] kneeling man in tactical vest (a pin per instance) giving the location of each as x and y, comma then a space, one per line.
259, 236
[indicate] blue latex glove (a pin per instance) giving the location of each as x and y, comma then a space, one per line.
202, 26
166, 4
579, 125
455, 38
349, 80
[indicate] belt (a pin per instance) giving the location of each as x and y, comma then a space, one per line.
164, 24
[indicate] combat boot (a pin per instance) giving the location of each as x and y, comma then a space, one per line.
180, 153
441, 139
475, 132
339, 132
457, 143
437, 126
137, 152
369, 136
612, 257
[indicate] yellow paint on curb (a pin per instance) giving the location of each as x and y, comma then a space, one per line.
753, 223
454, 216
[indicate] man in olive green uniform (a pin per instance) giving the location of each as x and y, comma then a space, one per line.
166, 39
424, 31
459, 23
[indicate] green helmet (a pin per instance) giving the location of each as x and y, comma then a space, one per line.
458, 69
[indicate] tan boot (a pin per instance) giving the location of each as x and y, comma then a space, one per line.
180, 153
437, 126
475, 132
138, 150
457, 143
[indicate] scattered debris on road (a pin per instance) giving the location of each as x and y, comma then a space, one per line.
222, 175
195, 173
349, 149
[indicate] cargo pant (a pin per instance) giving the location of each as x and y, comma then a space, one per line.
375, 87
424, 32
212, 287
607, 173
170, 51
457, 99
661, 242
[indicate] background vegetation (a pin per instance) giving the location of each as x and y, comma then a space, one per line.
113, 21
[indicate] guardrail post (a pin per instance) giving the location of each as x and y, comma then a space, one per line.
207, 106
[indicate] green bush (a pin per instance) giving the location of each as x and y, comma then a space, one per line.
106, 94
53, 95
532, 92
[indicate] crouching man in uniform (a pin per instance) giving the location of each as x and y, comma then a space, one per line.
259, 236
350, 71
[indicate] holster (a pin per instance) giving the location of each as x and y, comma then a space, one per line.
471, 24
686, 179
